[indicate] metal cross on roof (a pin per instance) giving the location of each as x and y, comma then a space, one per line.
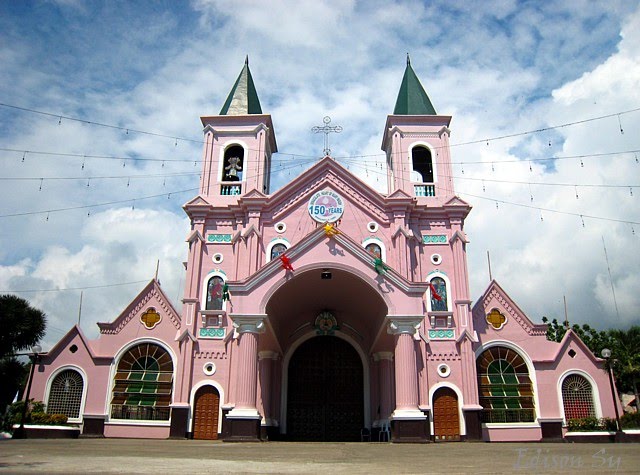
326, 129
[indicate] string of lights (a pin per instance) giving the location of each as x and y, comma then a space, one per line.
471, 142
74, 288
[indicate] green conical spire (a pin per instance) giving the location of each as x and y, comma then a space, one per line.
243, 98
412, 100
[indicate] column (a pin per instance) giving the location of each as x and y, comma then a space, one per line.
409, 423
244, 417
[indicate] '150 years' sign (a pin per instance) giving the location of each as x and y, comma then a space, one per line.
326, 206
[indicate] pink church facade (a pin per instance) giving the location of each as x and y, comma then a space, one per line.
324, 311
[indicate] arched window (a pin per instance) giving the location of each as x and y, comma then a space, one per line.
65, 394
374, 249
577, 397
215, 288
142, 384
233, 163
277, 250
422, 165
506, 391
438, 295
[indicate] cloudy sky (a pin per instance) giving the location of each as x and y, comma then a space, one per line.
94, 207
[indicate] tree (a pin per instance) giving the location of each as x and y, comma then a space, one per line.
624, 346
625, 353
21, 326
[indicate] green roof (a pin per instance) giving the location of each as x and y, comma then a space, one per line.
412, 100
243, 98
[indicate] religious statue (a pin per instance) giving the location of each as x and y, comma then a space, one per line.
233, 168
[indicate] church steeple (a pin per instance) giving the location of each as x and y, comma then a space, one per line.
412, 99
238, 145
243, 98
416, 140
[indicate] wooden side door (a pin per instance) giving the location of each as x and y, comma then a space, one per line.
446, 421
206, 410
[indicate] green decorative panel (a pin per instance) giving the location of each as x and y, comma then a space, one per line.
219, 238
444, 334
434, 239
213, 333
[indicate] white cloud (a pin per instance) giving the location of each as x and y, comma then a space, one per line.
499, 69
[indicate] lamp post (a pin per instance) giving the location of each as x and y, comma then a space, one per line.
21, 433
606, 354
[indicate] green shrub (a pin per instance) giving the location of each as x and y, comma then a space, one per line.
630, 420
592, 424
35, 415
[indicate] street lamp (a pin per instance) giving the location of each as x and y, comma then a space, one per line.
606, 354
21, 433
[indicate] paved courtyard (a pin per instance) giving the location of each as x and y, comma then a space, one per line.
107, 456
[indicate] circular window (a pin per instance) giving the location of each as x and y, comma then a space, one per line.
209, 368
372, 226
280, 227
217, 258
436, 259
444, 370
73, 348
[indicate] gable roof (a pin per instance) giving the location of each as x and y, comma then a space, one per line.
243, 98
151, 290
328, 172
495, 291
66, 339
412, 98
348, 244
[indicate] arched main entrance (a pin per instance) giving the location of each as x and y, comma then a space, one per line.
325, 391
446, 421
206, 409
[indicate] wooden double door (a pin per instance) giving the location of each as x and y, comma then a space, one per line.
206, 413
446, 419
325, 396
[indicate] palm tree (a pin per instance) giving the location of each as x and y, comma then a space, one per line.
626, 353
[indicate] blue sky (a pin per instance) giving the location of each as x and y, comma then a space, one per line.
498, 67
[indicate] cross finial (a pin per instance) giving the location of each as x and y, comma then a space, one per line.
408, 60
326, 129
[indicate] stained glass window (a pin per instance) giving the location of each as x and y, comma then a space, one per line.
440, 287
214, 293
277, 250
577, 397
65, 395
506, 391
142, 384
374, 249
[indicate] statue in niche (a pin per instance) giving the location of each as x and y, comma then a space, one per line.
233, 168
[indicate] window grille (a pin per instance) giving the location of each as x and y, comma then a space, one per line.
143, 382
65, 395
506, 391
577, 397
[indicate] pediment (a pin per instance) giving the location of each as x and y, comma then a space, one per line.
399, 194
74, 334
496, 298
339, 251
328, 174
197, 201
152, 294
457, 201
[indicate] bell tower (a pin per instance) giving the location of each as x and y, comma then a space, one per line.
416, 141
238, 145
